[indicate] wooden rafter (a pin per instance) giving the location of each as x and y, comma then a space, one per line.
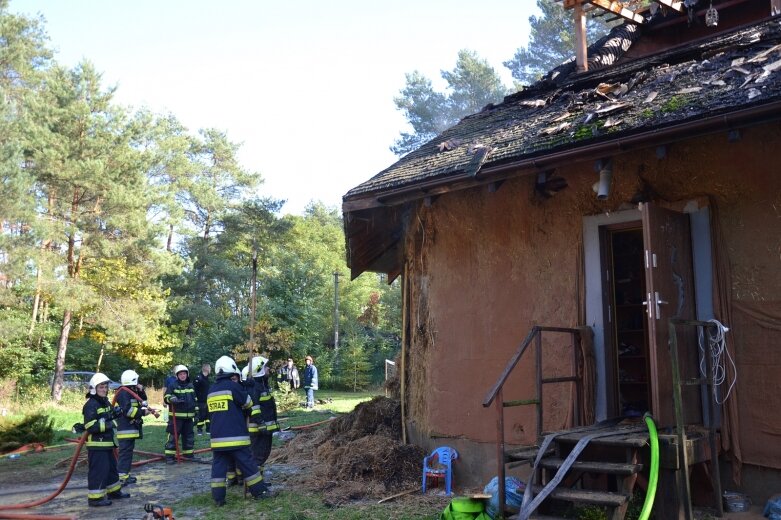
619, 9
672, 4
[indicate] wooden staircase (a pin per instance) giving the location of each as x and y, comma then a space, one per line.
604, 474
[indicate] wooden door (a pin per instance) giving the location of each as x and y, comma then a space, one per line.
669, 294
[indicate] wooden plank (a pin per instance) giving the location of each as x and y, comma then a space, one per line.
526, 453
581, 41
619, 9
672, 4
611, 468
583, 496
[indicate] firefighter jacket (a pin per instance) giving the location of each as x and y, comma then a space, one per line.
227, 402
133, 411
263, 418
201, 386
99, 424
186, 407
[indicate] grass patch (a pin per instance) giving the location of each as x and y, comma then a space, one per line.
301, 506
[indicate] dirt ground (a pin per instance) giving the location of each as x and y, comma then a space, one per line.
157, 482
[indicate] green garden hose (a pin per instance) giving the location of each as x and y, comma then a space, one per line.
653, 476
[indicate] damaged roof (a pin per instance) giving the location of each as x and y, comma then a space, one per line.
728, 73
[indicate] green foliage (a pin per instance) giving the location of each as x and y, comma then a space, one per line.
552, 42
355, 362
471, 85
286, 397
675, 103
129, 239
33, 428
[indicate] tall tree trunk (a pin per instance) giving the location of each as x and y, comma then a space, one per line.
100, 357
62, 346
36, 303
170, 237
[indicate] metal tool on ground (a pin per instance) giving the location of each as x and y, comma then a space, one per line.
157, 512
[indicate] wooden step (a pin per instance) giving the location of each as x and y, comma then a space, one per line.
525, 453
611, 468
628, 440
583, 496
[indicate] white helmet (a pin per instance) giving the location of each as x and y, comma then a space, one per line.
259, 366
129, 378
226, 365
180, 368
245, 373
95, 380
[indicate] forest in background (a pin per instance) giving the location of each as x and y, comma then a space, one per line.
127, 241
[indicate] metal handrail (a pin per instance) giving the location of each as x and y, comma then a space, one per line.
495, 395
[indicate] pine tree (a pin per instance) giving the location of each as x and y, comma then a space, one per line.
551, 43
472, 84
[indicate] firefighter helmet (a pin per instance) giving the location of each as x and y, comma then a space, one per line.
226, 365
129, 378
259, 366
180, 368
96, 380
245, 373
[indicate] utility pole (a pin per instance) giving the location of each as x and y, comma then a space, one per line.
253, 305
336, 319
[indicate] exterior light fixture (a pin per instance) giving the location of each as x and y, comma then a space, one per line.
605, 169
711, 16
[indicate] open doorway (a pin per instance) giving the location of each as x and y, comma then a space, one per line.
627, 333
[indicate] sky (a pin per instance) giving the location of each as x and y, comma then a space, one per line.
306, 86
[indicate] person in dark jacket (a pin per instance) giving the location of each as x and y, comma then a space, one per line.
289, 374
180, 398
263, 419
201, 386
129, 422
230, 442
310, 382
102, 478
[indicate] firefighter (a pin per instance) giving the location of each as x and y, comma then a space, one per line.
263, 421
102, 478
230, 440
130, 422
201, 385
180, 398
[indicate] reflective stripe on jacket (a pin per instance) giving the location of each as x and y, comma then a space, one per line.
226, 403
129, 423
183, 390
97, 421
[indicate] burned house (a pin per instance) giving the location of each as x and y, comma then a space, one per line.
614, 198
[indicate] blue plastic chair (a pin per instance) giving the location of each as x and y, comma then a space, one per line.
438, 465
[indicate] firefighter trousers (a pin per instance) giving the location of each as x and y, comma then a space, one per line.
184, 429
261, 447
102, 475
242, 458
125, 458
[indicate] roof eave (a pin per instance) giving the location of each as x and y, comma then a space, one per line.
750, 116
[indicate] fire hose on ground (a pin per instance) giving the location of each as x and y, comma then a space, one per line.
26, 505
154, 457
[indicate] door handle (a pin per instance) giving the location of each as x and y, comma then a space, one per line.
659, 302
647, 305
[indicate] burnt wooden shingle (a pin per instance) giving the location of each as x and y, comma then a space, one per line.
728, 73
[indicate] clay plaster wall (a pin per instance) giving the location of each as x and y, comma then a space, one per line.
484, 267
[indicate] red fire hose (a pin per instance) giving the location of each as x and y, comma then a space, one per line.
82, 439
176, 436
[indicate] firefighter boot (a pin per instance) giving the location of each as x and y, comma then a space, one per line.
99, 502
